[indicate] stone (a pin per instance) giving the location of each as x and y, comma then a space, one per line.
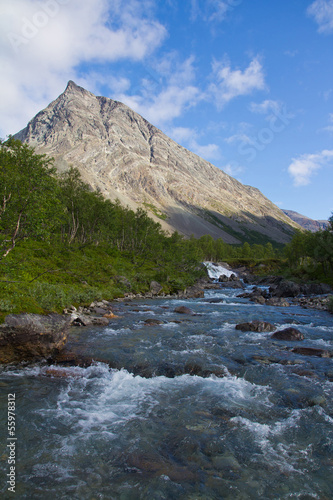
290, 334
29, 337
310, 351
286, 289
155, 287
255, 326
194, 292
85, 320
183, 310
277, 302
153, 321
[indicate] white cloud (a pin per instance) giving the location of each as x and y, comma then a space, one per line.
238, 138
233, 169
170, 95
188, 138
233, 83
212, 10
164, 106
301, 169
329, 127
43, 44
322, 11
265, 107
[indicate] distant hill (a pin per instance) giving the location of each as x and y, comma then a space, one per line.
125, 157
306, 222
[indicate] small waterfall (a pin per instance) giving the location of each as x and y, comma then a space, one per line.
216, 270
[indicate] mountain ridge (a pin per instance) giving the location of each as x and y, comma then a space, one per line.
125, 157
306, 222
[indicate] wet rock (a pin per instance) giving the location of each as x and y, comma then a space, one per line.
277, 302
192, 292
317, 401
290, 334
29, 337
183, 310
226, 461
259, 300
99, 310
153, 321
321, 303
255, 326
286, 289
310, 351
86, 319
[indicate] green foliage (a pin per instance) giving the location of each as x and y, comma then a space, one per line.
62, 243
29, 206
156, 211
330, 305
310, 255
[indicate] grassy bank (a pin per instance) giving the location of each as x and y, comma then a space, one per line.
40, 277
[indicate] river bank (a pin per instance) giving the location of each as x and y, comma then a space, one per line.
179, 405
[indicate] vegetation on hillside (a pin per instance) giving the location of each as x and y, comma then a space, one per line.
62, 244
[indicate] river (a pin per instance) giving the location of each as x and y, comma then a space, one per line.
193, 408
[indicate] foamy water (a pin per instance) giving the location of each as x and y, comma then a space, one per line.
191, 408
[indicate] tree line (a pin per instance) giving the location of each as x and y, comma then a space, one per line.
39, 204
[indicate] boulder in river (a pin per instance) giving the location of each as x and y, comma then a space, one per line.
183, 310
310, 351
29, 337
192, 292
153, 321
255, 326
290, 334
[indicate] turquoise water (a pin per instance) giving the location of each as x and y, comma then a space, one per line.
191, 409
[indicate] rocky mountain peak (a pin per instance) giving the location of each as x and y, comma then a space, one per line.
124, 156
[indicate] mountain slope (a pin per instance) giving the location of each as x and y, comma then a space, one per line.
123, 155
306, 222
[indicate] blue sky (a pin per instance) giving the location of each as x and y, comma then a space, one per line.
247, 85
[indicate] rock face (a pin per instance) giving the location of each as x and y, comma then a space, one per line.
120, 153
306, 222
29, 337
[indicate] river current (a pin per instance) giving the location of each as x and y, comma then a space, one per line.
192, 408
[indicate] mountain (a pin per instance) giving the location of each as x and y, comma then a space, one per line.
306, 222
120, 153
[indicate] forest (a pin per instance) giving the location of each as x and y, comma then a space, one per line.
62, 243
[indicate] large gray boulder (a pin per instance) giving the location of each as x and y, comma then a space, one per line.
29, 337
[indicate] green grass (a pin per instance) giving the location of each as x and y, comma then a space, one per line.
40, 278
156, 211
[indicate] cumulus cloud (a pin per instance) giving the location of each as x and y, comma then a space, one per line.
303, 168
43, 44
189, 139
322, 12
233, 83
212, 10
266, 106
169, 94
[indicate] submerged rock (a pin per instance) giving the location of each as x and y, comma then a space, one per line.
183, 310
255, 326
291, 334
153, 321
310, 351
29, 337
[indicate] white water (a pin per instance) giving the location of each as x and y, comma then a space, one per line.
216, 270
